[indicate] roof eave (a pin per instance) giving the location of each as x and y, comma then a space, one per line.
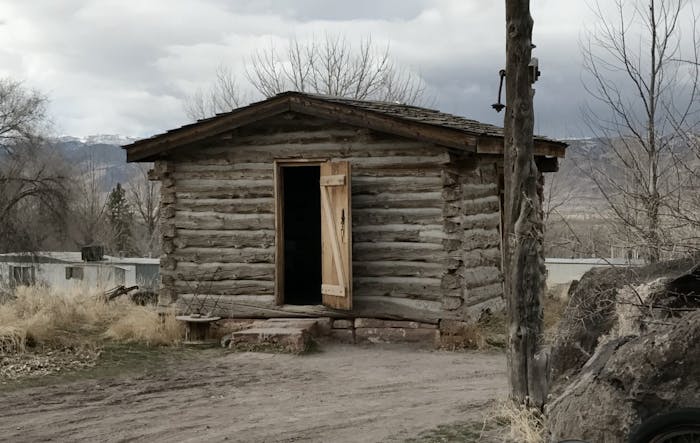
150, 149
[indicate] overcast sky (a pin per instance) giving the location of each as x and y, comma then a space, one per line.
125, 66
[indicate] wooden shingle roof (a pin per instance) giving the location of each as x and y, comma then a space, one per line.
400, 119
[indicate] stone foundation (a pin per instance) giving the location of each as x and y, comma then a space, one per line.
449, 334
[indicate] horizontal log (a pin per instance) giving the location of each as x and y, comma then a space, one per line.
451, 209
224, 255
484, 205
360, 171
401, 162
227, 205
481, 294
481, 239
398, 251
224, 174
420, 156
397, 269
370, 306
482, 221
481, 257
451, 303
316, 142
222, 271
452, 280
226, 287
319, 132
399, 233
404, 287
201, 184
399, 308
202, 188
254, 192
219, 220
378, 185
482, 276
381, 216
366, 159
479, 190
398, 200
260, 238
207, 165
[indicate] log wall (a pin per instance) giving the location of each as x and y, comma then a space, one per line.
425, 223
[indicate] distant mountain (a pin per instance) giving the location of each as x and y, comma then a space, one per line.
102, 153
99, 139
572, 180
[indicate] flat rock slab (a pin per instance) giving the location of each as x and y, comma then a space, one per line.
287, 334
309, 325
287, 339
377, 323
428, 337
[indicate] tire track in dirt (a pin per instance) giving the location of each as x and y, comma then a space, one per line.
345, 393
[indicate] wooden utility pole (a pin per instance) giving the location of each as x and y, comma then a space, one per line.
523, 224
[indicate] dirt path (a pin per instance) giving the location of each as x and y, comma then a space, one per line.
345, 393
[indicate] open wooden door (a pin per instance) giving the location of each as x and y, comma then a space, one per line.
336, 235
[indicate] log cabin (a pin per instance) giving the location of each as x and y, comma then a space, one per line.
310, 205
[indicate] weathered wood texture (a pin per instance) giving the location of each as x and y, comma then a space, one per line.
471, 213
523, 221
425, 224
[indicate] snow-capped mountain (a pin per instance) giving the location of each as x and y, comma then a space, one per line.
101, 153
99, 139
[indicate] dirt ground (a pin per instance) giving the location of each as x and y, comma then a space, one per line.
342, 393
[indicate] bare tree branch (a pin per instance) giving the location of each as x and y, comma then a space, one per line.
633, 63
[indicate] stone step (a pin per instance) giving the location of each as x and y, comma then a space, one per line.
285, 334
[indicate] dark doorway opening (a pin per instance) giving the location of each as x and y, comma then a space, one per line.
302, 235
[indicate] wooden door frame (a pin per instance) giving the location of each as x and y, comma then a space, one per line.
279, 217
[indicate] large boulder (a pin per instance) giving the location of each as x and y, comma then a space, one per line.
629, 380
592, 312
644, 359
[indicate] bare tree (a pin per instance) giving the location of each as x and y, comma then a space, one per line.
33, 180
330, 66
223, 96
144, 197
523, 255
645, 76
89, 205
22, 111
33, 196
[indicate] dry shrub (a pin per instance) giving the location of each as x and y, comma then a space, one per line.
12, 340
524, 424
144, 325
552, 311
81, 318
488, 332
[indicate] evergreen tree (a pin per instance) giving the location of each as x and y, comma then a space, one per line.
120, 219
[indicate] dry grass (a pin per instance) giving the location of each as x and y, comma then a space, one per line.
552, 312
12, 340
522, 424
489, 331
38, 316
144, 325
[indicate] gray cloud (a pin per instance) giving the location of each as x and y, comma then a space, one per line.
124, 67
